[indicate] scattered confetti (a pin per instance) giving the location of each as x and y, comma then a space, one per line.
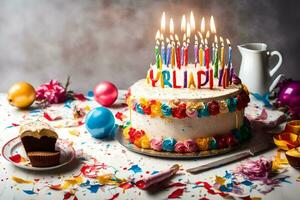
20, 180
135, 169
74, 132
94, 188
176, 194
30, 192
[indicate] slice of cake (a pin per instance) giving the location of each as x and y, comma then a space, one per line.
39, 139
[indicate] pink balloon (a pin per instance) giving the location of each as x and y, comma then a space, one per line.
106, 93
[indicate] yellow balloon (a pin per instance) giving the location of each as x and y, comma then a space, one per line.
21, 95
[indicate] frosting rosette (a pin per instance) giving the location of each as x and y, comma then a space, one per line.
191, 112
156, 144
155, 108
213, 108
203, 112
190, 146
145, 143
135, 134
213, 143
231, 104
180, 147
243, 100
168, 144
179, 111
139, 108
223, 107
147, 109
203, 143
166, 110
126, 132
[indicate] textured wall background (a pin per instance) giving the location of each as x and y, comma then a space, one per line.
113, 39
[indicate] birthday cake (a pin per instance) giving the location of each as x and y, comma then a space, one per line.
183, 106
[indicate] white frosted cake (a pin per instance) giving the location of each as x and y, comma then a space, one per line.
184, 108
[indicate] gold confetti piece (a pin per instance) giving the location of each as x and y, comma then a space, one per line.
255, 198
220, 180
20, 180
298, 179
74, 132
70, 182
110, 179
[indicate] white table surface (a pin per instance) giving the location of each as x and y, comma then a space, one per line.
112, 154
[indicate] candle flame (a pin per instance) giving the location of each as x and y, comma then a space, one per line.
161, 37
207, 34
163, 22
168, 40
216, 39
202, 29
227, 41
184, 37
200, 35
222, 41
212, 25
192, 21
205, 41
188, 30
171, 26
196, 38
183, 23
202, 42
171, 37
157, 36
176, 37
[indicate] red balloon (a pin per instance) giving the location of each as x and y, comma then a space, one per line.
106, 93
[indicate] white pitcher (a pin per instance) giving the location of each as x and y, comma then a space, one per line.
255, 71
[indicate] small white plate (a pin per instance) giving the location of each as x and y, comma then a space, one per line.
15, 146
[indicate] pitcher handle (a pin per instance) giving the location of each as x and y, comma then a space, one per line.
275, 82
273, 53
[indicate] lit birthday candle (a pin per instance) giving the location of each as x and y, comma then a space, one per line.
229, 53
157, 56
162, 50
221, 71
196, 50
201, 54
182, 49
207, 51
169, 49
178, 60
216, 59
183, 29
173, 52
213, 32
222, 53
172, 43
230, 68
186, 50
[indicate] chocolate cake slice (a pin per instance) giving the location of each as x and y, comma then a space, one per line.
38, 136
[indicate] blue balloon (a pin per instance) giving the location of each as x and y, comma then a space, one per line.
100, 123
